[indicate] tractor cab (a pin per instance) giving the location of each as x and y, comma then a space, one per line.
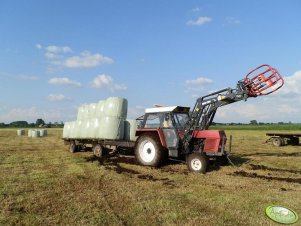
168, 123
166, 117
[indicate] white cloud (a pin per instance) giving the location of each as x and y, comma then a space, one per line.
197, 85
292, 85
30, 114
39, 46
135, 112
199, 21
57, 97
283, 105
196, 9
57, 57
64, 81
27, 77
54, 52
106, 81
285, 108
232, 20
58, 49
85, 60
50, 55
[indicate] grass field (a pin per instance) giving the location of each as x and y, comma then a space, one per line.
42, 183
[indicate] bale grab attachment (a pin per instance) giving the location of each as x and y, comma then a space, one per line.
263, 80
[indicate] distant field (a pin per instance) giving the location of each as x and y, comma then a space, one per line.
288, 127
41, 183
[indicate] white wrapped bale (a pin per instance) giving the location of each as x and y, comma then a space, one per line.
99, 111
111, 128
72, 133
78, 128
43, 132
92, 110
130, 127
116, 107
83, 112
87, 129
94, 126
35, 133
67, 130
21, 132
29, 132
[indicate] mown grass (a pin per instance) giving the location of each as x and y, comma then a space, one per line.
41, 183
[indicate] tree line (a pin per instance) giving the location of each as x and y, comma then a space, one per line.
40, 123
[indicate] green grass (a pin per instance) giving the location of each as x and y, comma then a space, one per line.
41, 183
287, 127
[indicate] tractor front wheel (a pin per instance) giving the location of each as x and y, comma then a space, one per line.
197, 162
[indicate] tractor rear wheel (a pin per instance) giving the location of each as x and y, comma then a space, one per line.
149, 151
197, 162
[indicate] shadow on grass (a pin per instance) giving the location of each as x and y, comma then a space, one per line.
215, 165
243, 173
277, 154
239, 160
112, 161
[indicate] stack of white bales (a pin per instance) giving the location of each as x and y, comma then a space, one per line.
103, 120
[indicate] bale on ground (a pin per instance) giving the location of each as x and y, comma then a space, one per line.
29, 132
35, 133
43, 132
21, 132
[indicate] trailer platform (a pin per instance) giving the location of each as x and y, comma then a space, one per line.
98, 145
280, 139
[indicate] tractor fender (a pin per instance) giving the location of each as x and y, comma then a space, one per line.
157, 131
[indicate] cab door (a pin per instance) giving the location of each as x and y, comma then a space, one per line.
170, 134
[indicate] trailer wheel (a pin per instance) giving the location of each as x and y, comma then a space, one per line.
98, 150
278, 141
149, 151
197, 162
72, 147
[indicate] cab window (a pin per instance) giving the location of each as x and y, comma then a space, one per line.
181, 119
152, 121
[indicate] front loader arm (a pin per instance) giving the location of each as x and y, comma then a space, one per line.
260, 81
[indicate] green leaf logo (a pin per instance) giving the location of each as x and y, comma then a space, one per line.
281, 214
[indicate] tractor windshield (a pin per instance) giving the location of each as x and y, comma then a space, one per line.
181, 119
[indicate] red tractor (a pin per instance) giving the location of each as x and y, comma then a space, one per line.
176, 132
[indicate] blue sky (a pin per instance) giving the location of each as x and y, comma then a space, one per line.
56, 55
